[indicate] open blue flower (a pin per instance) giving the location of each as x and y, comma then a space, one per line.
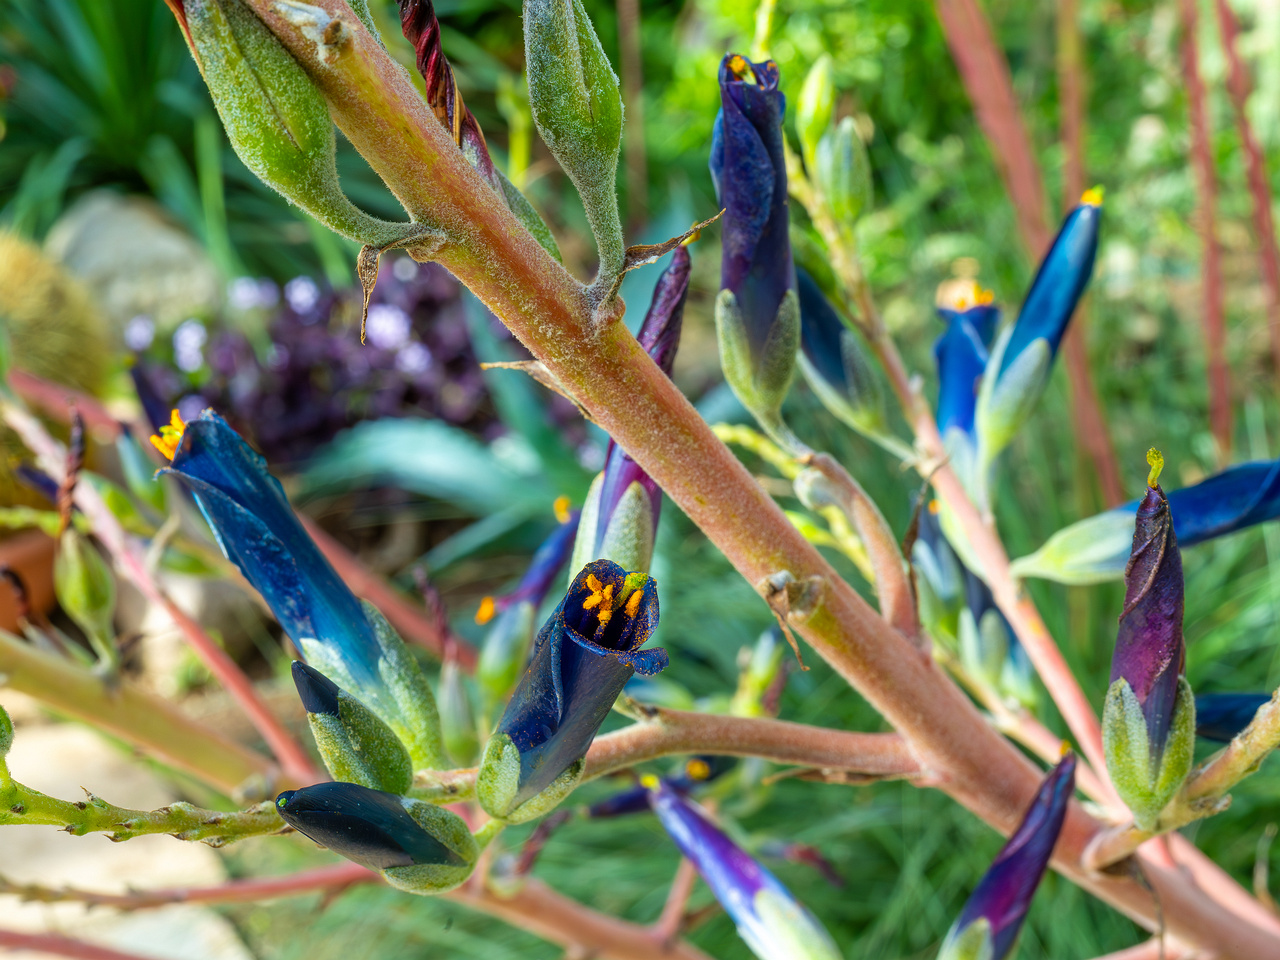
582, 658
992, 918
773, 923
255, 526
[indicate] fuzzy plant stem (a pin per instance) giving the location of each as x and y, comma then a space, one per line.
605, 369
985, 74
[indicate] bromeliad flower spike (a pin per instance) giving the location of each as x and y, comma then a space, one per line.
987, 928
1148, 723
1023, 356
772, 922
584, 655
256, 528
415, 846
757, 310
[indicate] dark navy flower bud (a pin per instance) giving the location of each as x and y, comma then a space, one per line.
960, 354
1148, 723
1221, 716
757, 312
354, 744
255, 526
416, 846
1023, 356
582, 658
988, 926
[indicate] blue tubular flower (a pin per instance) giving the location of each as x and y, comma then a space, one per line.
1096, 549
994, 913
772, 922
1024, 354
415, 846
960, 354
757, 314
834, 363
258, 531
1221, 716
621, 515
1148, 722
582, 658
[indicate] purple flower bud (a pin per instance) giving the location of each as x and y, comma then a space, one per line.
771, 921
1149, 650
750, 175
1004, 893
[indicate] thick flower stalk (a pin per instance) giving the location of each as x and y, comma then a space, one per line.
772, 922
1149, 721
988, 927
584, 655
1221, 716
757, 310
1023, 356
415, 846
506, 645
620, 518
1096, 549
256, 528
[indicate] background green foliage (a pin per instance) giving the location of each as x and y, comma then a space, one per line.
103, 93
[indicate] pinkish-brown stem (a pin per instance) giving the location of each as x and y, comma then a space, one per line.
62, 946
1240, 86
667, 927
1213, 310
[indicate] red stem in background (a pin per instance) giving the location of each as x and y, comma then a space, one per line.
985, 74
636, 162
1215, 325
1240, 86
62, 946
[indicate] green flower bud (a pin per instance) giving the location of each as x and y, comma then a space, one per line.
760, 671
984, 645
814, 109
86, 590
627, 537
277, 121
843, 173
577, 106
1145, 779
505, 651
1093, 550
355, 745
404, 702
457, 721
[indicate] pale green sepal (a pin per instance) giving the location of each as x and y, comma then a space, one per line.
519, 204
628, 540
760, 383
6, 732
505, 652
585, 540
778, 362
843, 173
1144, 782
971, 943
450, 830
784, 930
1005, 403
86, 590
457, 720
403, 700
1093, 550
357, 747
815, 106
984, 646
576, 102
498, 782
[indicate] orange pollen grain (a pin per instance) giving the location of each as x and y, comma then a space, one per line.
633, 603
698, 769
561, 507
486, 611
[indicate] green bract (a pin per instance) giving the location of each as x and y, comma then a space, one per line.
761, 388
628, 540
1147, 783
814, 109
357, 747
843, 173
577, 106
86, 590
498, 782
